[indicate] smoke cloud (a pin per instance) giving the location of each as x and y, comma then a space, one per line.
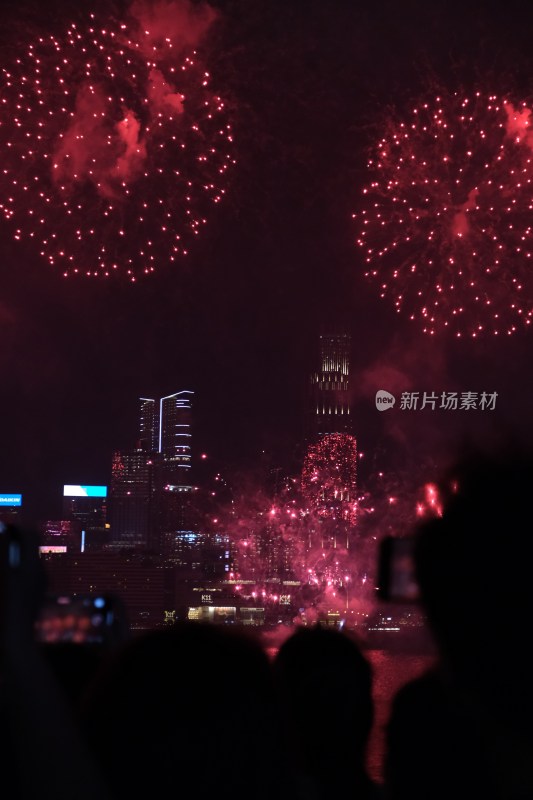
518, 125
107, 142
178, 22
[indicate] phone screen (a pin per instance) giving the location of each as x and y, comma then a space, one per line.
83, 620
396, 578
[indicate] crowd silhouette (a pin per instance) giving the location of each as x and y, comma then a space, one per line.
200, 711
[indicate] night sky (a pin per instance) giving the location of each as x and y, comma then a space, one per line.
308, 84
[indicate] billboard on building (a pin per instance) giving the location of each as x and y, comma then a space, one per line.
75, 490
9, 499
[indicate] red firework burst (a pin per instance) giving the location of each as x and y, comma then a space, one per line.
114, 148
329, 476
446, 225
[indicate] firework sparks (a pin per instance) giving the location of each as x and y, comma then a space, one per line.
290, 551
329, 476
446, 225
114, 147
431, 505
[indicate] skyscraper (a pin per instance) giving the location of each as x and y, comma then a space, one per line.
329, 410
165, 428
151, 489
175, 433
329, 474
166, 437
86, 507
329, 477
131, 498
149, 425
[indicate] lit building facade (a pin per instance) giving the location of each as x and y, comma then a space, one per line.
329, 472
10, 506
175, 493
148, 425
175, 433
271, 556
329, 477
145, 588
131, 500
60, 536
330, 410
86, 507
151, 492
165, 428
153, 504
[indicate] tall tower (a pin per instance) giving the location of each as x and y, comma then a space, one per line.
329, 474
131, 498
329, 477
175, 512
175, 417
151, 492
330, 387
148, 425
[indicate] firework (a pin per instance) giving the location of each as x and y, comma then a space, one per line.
286, 552
114, 148
446, 221
431, 505
300, 550
329, 476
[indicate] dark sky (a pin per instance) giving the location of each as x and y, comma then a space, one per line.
307, 82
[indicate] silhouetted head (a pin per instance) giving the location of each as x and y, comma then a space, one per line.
74, 666
474, 566
326, 686
190, 706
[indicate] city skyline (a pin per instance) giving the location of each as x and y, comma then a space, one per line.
160, 452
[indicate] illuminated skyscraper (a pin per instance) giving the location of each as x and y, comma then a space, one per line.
86, 507
329, 477
173, 509
175, 433
165, 428
330, 387
131, 498
329, 474
149, 425
150, 489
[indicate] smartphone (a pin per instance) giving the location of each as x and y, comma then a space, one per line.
396, 570
82, 619
10, 553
